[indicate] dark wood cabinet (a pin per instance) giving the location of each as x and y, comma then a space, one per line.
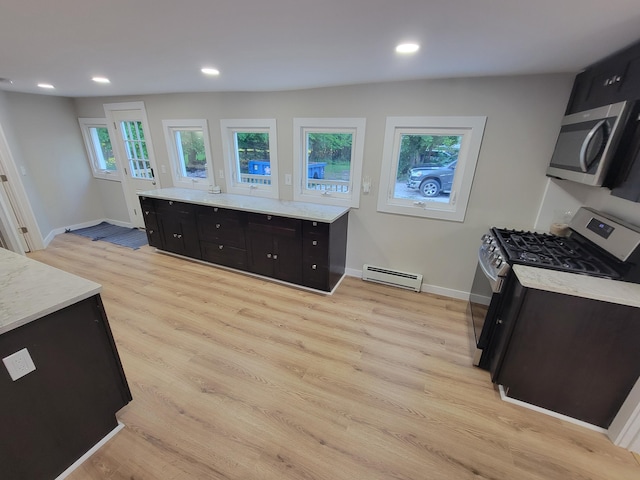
612, 80
324, 250
56, 413
222, 236
572, 355
178, 228
151, 222
303, 252
275, 248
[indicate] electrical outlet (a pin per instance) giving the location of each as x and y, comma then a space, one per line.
163, 168
287, 179
221, 174
19, 364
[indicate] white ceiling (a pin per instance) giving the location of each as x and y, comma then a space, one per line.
159, 46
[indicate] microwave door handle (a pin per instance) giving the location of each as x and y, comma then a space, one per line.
586, 143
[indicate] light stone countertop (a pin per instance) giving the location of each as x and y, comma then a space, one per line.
604, 289
30, 290
247, 203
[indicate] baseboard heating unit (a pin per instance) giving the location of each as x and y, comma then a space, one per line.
395, 278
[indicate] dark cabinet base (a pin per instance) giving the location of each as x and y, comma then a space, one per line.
53, 415
571, 355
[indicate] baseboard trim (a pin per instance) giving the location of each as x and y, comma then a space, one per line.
425, 288
57, 231
551, 413
91, 451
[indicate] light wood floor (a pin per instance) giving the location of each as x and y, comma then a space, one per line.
238, 378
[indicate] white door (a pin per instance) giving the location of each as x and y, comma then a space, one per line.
134, 154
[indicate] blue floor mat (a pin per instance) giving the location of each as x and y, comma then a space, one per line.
126, 237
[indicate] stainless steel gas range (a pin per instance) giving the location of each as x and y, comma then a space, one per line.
598, 245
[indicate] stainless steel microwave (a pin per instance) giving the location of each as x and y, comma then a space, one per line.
586, 144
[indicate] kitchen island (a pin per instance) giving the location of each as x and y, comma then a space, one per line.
299, 243
568, 343
60, 398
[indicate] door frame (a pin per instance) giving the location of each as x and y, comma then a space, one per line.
126, 183
18, 202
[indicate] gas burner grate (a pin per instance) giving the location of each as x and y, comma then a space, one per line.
550, 251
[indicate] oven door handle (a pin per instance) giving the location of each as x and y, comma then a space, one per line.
494, 279
585, 145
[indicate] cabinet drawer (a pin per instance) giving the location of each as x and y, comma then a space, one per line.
173, 207
226, 255
275, 225
222, 226
316, 247
310, 228
315, 275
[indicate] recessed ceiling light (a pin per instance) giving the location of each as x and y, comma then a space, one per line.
101, 80
210, 71
407, 48
46, 85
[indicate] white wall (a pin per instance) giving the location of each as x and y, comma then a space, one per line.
58, 180
524, 115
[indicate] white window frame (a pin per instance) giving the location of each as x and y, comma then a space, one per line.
302, 126
175, 161
93, 154
228, 128
471, 129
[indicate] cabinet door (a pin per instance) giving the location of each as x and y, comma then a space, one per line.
177, 223
261, 253
287, 258
222, 226
315, 255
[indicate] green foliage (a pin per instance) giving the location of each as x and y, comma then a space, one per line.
419, 149
192, 143
329, 147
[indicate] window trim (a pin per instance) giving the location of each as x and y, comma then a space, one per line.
301, 126
472, 131
230, 126
85, 125
169, 127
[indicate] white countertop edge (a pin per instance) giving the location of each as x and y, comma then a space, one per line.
584, 286
300, 210
46, 311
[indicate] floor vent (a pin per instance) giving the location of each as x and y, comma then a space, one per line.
395, 278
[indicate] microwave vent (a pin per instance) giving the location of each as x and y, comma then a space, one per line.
394, 278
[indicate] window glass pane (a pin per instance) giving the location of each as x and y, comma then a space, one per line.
328, 161
102, 148
192, 156
253, 161
426, 167
136, 149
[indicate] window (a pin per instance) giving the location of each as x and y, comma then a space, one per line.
428, 165
135, 146
327, 163
189, 153
251, 162
98, 144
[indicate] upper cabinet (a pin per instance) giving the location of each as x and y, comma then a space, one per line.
612, 80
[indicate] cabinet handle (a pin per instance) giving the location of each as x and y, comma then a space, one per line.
170, 202
179, 235
268, 217
146, 212
217, 225
215, 209
314, 243
175, 235
275, 256
150, 232
268, 255
315, 224
499, 321
220, 247
314, 266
